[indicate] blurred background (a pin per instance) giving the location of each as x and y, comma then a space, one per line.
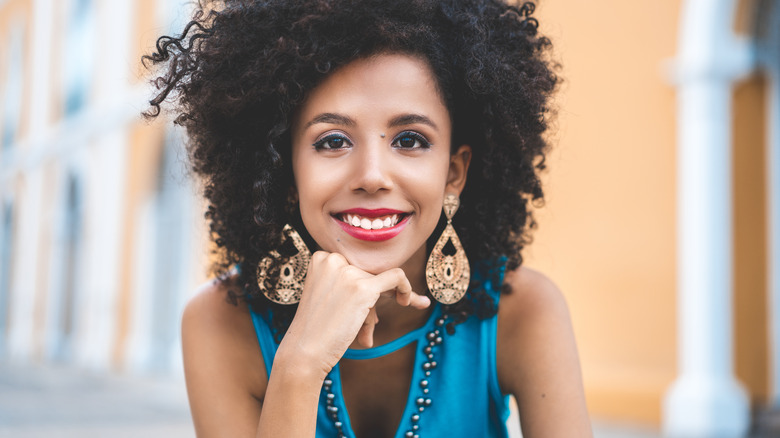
661, 225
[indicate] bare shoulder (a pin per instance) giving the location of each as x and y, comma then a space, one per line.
223, 365
533, 296
537, 357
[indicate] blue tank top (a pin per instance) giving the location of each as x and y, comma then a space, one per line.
459, 396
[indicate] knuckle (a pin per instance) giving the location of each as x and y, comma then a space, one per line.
319, 256
336, 259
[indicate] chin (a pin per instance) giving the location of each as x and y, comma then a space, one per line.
374, 267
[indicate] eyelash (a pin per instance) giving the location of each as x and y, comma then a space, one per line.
418, 138
320, 144
424, 143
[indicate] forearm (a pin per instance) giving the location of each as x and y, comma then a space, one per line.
291, 400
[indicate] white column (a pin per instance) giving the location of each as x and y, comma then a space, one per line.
706, 400
26, 277
772, 65
106, 185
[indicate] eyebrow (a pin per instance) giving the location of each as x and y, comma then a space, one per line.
402, 120
411, 119
331, 118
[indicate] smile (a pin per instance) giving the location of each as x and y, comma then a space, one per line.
372, 225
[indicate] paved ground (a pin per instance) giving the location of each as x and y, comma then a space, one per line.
52, 402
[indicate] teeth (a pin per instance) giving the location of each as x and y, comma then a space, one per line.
371, 224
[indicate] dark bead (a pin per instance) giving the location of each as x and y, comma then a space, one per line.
423, 383
430, 357
426, 366
415, 418
427, 350
421, 408
437, 332
415, 427
438, 340
420, 401
331, 396
409, 434
427, 374
433, 364
416, 436
431, 336
425, 390
328, 382
333, 409
338, 424
440, 322
428, 402
432, 343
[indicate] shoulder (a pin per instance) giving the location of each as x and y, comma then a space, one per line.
212, 321
533, 296
537, 359
223, 365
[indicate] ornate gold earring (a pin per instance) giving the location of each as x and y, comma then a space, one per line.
289, 286
447, 271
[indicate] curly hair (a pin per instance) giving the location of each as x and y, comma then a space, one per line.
241, 68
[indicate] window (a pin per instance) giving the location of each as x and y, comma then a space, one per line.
79, 55
12, 89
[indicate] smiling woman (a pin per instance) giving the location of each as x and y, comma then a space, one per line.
369, 167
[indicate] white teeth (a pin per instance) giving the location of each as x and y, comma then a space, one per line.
371, 224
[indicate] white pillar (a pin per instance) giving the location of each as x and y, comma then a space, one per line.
106, 170
26, 276
706, 400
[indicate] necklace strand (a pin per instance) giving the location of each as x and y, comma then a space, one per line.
434, 339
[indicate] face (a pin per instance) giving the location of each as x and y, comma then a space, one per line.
372, 161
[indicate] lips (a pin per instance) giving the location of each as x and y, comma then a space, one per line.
372, 224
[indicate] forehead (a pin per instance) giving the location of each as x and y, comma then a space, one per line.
379, 86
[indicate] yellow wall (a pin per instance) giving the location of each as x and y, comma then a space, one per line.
607, 232
750, 237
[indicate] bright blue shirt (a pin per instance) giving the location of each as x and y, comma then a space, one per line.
465, 399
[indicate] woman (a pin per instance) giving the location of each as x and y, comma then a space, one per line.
369, 167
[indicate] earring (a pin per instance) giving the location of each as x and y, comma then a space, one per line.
448, 273
292, 273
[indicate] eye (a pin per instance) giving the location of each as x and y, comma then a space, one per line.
332, 141
411, 140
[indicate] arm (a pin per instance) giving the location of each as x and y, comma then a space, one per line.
226, 381
537, 358
223, 365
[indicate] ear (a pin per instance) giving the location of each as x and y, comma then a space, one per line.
459, 168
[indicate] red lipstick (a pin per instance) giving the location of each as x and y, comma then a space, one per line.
372, 235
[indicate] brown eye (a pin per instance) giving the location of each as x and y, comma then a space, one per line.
411, 140
333, 141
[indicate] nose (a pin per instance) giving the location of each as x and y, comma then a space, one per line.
372, 168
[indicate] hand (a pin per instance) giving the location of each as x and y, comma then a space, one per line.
337, 307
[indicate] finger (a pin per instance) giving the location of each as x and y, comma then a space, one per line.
395, 280
420, 301
366, 333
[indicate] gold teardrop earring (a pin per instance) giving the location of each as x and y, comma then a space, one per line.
292, 273
448, 274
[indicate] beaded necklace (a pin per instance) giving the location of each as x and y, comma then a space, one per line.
434, 339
